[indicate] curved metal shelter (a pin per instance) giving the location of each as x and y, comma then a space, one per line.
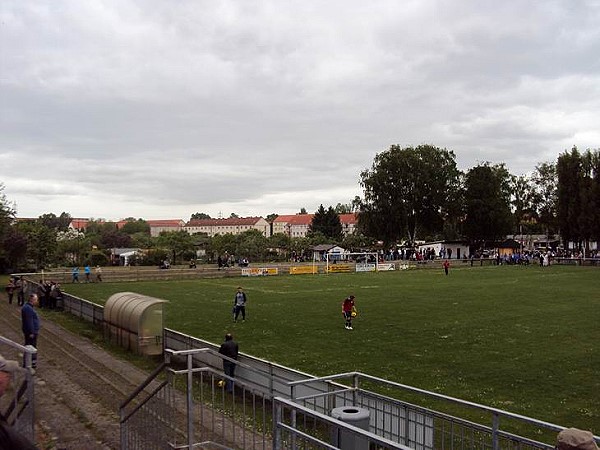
135, 322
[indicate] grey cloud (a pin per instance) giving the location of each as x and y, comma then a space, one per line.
174, 107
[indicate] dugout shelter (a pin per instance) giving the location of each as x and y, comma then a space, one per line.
135, 322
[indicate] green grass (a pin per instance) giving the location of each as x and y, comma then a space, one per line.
524, 339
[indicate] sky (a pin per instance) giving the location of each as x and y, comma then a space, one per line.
160, 109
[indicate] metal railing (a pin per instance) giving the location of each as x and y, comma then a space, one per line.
191, 408
406, 424
17, 404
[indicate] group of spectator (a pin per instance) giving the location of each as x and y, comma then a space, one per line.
16, 286
230, 261
88, 274
49, 294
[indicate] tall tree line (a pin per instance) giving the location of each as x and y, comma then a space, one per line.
579, 196
418, 193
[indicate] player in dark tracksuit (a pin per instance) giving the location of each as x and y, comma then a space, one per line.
239, 305
229, 348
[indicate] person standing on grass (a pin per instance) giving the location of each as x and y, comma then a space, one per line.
99, 274
88, 273
230, 349
30, 324
75, 275
446, 266
10, 290
239, 304
21, 287
348, 309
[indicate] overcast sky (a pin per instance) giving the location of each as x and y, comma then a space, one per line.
160, 109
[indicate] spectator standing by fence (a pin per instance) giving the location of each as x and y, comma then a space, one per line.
30, 323
10, 290
21, 287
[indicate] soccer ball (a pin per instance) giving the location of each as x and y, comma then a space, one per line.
354, 314
221, 383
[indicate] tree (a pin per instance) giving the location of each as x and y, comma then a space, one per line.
7, 216
112, 238
356, 203
178, 242
523, 202
199, 216
326, 222
578, 196
545, 196
343, 208
14, 247
281, 243
408, 191
133, 226
595, 195
303, 211
569, 172
487, 196
234, 216
59, 223
41, 243
271, 217
301, 248
356, 242
142, 240
252, 244
69, 246
223, 243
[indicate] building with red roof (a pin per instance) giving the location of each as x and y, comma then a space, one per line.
232, 225
79, 224
297, 225
156, 226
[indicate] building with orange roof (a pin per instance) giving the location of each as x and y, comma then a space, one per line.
280, 224
232, 225
298, 225
349, 223
157, 226
79, 224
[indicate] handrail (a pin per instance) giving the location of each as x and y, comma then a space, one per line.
142, 386
142, 403
489, 409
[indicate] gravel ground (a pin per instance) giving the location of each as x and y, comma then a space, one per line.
78, 386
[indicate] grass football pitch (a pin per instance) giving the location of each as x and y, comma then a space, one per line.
523, 339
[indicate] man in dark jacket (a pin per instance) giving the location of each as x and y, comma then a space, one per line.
239, 304
229, 348
30, 324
